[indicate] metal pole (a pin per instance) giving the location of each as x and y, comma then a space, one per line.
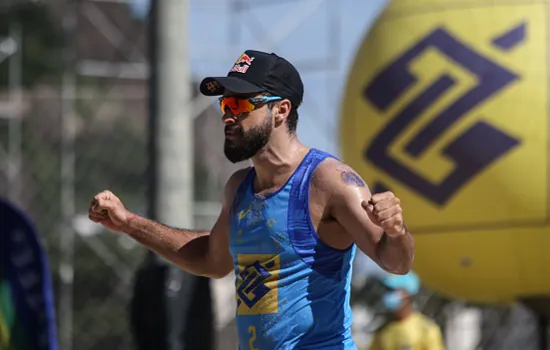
543, 332
15, 123
174, 148
68, 93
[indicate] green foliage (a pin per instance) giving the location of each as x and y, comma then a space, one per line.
42, 42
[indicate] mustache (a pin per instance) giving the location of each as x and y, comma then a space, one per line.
233, 130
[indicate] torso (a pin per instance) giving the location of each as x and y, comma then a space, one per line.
292, 265
329, 230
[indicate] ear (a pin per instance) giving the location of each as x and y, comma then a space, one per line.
283, 110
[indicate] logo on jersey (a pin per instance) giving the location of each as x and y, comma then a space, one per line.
253, 215
257, 284
479, 80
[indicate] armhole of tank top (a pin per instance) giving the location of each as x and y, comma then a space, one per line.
304, 245
241, 190
310, 222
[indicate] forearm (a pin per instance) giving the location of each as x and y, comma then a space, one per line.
396, 254
187, 249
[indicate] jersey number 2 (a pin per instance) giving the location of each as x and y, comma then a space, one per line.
252, 332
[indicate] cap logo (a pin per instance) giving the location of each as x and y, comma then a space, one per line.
212, 85
242, 64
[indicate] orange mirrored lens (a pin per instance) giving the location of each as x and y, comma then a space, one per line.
236, 105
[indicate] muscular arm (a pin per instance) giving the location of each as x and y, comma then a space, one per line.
349, 196
198, 252
396, 255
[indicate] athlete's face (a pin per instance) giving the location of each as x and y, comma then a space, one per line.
247, 133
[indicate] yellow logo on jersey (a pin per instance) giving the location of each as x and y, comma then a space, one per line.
243, 213
257, 284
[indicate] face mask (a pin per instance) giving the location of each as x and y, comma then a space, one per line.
392, 300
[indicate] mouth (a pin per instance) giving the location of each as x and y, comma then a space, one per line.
232, 132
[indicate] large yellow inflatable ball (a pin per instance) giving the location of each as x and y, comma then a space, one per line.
447, 105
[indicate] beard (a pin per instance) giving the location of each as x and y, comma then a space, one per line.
244, 145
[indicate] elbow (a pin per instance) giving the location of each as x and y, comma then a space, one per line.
216, 271
401, 270
202, 269
216, 274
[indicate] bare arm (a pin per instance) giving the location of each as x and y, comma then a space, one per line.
375, 223
198, 252
187, 249
396, 253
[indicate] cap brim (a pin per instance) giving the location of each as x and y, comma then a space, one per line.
402, 282
215, 86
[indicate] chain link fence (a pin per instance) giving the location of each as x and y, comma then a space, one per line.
104, 147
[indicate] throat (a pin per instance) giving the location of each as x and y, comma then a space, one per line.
261, 193
263, 187
269, 178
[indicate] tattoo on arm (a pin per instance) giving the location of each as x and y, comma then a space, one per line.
351, 178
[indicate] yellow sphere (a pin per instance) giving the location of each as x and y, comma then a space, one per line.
447, 105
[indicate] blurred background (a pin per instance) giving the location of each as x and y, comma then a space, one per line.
103, 94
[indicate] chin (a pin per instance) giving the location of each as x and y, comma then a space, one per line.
235, 158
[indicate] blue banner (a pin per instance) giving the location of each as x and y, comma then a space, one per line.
27, 313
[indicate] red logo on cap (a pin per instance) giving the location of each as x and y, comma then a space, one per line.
242, 63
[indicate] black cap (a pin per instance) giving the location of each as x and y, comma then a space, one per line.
256, 72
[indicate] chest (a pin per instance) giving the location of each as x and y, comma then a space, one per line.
259, 225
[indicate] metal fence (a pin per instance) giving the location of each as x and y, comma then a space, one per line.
94, 274
64, 137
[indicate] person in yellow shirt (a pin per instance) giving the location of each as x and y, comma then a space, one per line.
406, 329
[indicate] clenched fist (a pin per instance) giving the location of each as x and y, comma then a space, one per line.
109, 211
384, 210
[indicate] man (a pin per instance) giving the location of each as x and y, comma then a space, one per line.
406, 329
289, 224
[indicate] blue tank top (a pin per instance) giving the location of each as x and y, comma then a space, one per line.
293, 291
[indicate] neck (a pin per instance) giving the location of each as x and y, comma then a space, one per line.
277, 160
403, 314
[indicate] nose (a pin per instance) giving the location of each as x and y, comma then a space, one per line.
229, 119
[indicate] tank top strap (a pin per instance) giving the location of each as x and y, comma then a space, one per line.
306, 169
243, 188
301, 231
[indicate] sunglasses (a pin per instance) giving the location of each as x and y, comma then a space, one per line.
240, 105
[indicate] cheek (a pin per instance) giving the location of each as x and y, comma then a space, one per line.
245, 125
257, 116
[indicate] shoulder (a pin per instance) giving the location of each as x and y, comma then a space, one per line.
426, 323
238, 177
234, 182
432, 333
332, 174
382, 328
